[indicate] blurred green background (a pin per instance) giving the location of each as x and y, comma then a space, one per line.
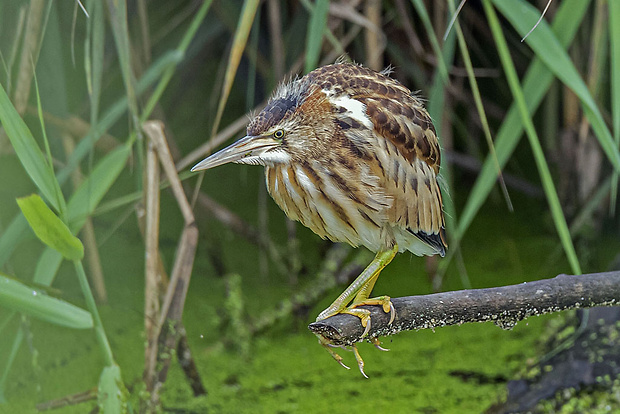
84, 77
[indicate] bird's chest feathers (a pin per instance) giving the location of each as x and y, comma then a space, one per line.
344, 203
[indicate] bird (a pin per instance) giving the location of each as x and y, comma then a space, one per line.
352, 154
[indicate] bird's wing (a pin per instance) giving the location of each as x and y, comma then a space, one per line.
403, 144
408, 157
411, 158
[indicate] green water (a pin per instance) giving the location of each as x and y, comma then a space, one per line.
453, 370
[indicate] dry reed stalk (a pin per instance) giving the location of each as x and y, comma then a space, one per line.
151, 283
169, 324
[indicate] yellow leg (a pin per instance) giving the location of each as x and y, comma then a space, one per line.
358, 292
360, 289
364, 292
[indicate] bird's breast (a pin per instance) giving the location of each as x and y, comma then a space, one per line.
341, 203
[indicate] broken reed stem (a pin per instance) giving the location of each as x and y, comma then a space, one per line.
151, 282
169, 324
189, 238
186, 360
504, 306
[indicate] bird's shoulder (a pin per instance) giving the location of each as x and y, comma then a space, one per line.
390, 109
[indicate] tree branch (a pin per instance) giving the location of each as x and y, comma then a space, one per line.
505, 306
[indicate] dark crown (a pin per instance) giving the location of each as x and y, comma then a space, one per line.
284, 102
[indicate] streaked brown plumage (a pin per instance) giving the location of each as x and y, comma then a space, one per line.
353, 155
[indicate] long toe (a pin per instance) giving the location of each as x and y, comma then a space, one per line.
375, 341
328, 346
363, 314
360, 361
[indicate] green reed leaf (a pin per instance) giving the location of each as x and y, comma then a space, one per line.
314, 36
539, 157
29, 153
548, 49
239, 41
536, 82
49, 228
111, 396
614, 44
22, 298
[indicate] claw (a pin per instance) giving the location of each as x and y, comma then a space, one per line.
336, 346
364, 316
388, 307
375, 341
387, 304
360, 361
328, 347
367, 328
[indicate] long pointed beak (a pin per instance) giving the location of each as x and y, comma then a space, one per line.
244, 149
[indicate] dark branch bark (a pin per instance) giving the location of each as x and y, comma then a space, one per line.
505, 306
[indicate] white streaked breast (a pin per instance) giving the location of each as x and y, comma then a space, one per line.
290, 188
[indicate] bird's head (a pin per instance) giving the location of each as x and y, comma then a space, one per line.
291, 127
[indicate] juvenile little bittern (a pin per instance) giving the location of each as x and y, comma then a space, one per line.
353, 155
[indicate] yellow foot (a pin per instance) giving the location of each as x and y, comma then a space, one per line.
328, 347
384, 301
358, 357
363, 314
360, 362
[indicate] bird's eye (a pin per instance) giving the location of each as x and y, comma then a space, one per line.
279, 134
